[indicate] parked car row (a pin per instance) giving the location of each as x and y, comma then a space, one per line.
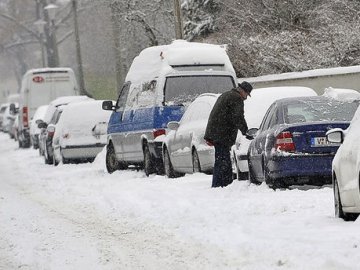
159, 120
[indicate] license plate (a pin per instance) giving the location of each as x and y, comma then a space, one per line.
320, 141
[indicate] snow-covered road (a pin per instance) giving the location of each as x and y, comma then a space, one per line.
79, 217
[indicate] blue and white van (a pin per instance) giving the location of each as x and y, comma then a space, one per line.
161, 81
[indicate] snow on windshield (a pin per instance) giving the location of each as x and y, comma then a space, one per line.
184, 89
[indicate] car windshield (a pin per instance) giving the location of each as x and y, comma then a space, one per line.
184, 89
319, 110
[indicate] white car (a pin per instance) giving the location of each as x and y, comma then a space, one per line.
255, 108
81, 132
184, 148
34, 129
346, 169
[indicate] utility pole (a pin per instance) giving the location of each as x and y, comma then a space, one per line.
78, 50
178, 20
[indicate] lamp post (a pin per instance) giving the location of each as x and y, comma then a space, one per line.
51, 46
40, 28
78, 50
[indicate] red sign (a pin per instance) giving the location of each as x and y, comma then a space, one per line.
38, 79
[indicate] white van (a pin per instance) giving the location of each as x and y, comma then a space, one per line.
161, 81
39, 87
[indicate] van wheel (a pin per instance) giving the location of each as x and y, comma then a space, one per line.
149, 167
112, 164
196, 162
169, 170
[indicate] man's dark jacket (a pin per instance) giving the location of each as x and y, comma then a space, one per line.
226, 117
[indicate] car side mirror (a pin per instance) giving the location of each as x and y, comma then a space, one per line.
251, 133
335, 135
173, 125
41, 124
107, 105
12, 108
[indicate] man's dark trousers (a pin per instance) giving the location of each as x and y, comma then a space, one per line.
222, 174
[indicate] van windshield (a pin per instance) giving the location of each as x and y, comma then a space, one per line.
184, 89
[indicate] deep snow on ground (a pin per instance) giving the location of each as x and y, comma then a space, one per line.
79, 217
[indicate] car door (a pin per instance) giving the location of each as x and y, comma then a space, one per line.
348, 173
115, 127
180, 144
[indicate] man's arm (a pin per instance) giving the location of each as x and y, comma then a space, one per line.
239, 118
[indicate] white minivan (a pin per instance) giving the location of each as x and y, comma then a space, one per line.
39, 87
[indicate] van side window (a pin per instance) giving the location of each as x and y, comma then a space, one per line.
146, 97
120, 104
133, 95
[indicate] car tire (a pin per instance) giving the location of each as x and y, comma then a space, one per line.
196, 162
55, 162
47, 159
251, 176
112, 164
168, 168
339, 212
149, 164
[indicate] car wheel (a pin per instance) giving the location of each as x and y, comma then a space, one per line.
55, 162
251, 176
149, 166
112, 164
47, 158
168, 168
339, 213
196, 162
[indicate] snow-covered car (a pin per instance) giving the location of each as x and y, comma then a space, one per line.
255, 109
81, 132
8, 113
346, 169
184, 147
47, 126
34, 129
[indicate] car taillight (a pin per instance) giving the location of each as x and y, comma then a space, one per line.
51, 134
284, 142
25, 116
158, 132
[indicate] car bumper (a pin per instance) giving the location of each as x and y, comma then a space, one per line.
81, 151
301, 168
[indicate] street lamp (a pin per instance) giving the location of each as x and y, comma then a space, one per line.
40, 28
51, 45
51, 9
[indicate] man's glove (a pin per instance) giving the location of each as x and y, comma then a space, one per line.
209, 143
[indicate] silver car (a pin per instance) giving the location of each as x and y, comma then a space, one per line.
184, 148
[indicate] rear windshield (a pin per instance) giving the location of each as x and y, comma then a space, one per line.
184, 89
319, 110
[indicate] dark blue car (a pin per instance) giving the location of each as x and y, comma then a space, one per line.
290, 146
